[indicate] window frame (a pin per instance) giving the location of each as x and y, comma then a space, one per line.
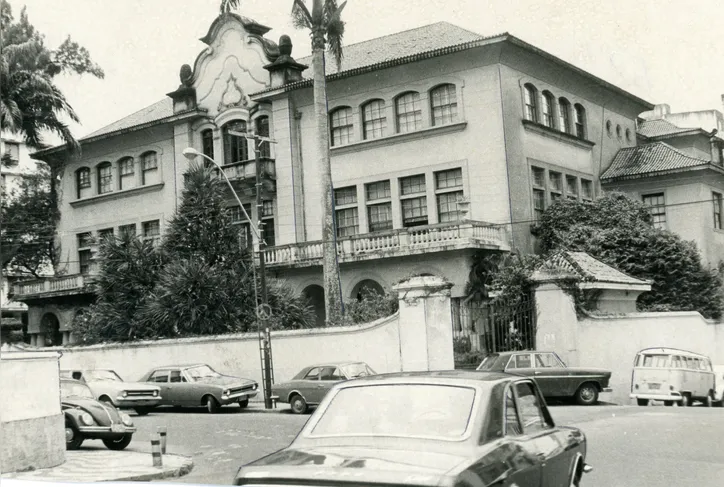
262, 126
458, 190
437, 97
207, 144
548, 109
652, 208
339, 127
579, 118
374, 202
564, 115
530, 102
418, 192
403, 118
146, 167
82, 180
372, 126
718, 209
234, 145
343, 207
105, 177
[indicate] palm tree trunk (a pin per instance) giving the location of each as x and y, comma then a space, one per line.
332, 294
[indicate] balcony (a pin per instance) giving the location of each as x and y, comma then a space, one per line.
395, 243
51, 287
242, 175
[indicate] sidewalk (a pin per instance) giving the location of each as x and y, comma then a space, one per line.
107, 465
258, 407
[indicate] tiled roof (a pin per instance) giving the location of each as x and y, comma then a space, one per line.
649, 158
659, 127
588, 268
157, 111
400, 44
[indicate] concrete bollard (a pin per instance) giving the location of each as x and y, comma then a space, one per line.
162, 434
156, 451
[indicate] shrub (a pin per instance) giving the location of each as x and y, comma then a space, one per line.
373, 306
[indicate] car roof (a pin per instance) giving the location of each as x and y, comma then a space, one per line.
335, 364
72, 381
470, 377
669, 350
178, 366
506, 354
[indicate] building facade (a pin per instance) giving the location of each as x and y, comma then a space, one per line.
444, 143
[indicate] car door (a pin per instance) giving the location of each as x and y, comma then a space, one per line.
521, 364
160, 378
177, 395
550, 374
542, 437
328, 377
310, 384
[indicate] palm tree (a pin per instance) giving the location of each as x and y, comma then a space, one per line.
226, 5
326, 27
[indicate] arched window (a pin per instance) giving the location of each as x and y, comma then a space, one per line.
531, 102
609, 131
126, 172
547, 109
408, 112
619, 134
82, 180
340, 122
235, 146
207, 143
444, 104
262, 130
580, 114
564, 115
105, 177
149, 167
374, 121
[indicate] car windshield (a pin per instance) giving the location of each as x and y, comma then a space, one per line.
107, 375
74, 389
358, 370
399, 410
201, 372
494, 362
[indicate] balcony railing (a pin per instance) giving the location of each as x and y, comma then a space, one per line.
60, 285
408, 241
247, 169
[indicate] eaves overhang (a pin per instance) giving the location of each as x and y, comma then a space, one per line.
665, 172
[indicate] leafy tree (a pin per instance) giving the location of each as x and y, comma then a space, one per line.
373, 306
29, 215
617, 230
30, 104
326, 27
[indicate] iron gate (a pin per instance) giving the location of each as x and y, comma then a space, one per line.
482, 328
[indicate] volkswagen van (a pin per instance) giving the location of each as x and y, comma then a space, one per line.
676, 377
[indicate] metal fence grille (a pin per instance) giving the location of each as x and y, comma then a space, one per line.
494, 326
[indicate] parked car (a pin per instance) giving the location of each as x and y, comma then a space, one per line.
428, 429
89, 419
673, 376
554, 378
719, 385
312, 383
107, 386
200, 385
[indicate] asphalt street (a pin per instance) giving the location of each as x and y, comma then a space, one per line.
628, 445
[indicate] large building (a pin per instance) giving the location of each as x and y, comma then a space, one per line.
444, 143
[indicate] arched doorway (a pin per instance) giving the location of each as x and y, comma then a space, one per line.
366, 285
315, 295
50, 326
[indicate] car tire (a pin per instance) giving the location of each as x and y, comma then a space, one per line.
243, 404
119, 444
685, 400
212, 405
142, 411
642, 402
587, 394
298, 404
709, 402
73, 437
668, 403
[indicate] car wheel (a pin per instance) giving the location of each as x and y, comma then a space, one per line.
642, 402
668, 403
118, 444
73, 437
709, 401
685, 401
298, 404
212, 405
244, 403
587, 394
142, 411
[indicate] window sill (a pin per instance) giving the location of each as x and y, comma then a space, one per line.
557, 134
396, 138
116, 194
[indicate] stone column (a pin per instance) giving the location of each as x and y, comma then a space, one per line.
426, 335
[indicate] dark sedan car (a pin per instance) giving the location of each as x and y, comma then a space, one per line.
312, 383
554, 378
89, 419
462, 428
200, 385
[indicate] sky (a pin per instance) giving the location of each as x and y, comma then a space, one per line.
664, 51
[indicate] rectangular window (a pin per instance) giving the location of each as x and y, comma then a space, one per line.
409, 112
85, 241
447, 206
126, 168
444, 105
238, 218
106, 233
657, 208
539, 177
262, 130
539, 203
207, 143
347, 222
379, 217
452, 178
152, 231
84, 180
717, 200
414, 211
572, 187
341, 125
586, 189
150, 161
12, 150
378, 191
267, 217
345, 196
555, 180
127, 230
105, 179
375, 121
412, 184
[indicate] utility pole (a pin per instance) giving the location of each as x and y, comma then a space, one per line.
263, 312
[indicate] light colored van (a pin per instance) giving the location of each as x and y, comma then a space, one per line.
673, 376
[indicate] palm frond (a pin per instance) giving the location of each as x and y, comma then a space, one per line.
301, 18
225, 6
335, 33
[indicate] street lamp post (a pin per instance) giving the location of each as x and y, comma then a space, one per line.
263, 309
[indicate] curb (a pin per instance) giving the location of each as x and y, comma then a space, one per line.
184, 469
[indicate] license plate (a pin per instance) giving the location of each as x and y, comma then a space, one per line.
654, 386
117, 428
